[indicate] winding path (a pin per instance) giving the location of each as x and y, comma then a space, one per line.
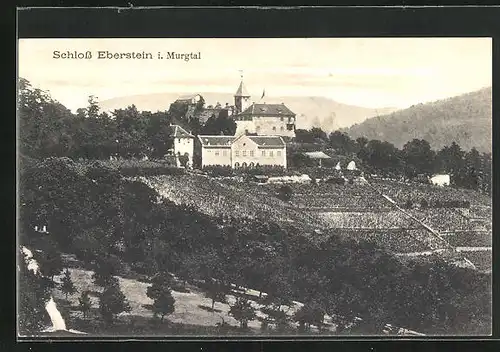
58, 323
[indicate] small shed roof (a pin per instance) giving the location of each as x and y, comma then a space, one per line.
317, 155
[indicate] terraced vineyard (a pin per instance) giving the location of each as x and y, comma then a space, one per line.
216, 198
357, 211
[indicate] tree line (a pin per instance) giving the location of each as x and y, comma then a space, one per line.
467, 169
47, 128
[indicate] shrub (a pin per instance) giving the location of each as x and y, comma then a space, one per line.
285, 193
218, 170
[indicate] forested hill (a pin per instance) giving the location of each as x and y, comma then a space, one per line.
464, 119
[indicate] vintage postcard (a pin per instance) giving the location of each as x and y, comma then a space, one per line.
254, 187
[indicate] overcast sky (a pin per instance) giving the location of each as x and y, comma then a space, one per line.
370, 72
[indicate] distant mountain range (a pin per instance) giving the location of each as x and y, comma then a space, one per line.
465, 119
311, 111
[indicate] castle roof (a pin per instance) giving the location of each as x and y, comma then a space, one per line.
267, 110
216, 141
227, 141
242, 91
188, 97
180, 132
267, 141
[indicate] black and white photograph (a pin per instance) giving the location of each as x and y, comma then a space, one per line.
254, 187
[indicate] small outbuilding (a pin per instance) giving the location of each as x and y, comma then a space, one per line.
351, 166
440, 180
317, 156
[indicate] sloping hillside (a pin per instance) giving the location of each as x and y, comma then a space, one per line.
353, 211
311, 111
465, 119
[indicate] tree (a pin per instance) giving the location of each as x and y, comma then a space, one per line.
310, 314
473, 172
216, 291
243, 312
342, 143
382, 157
50, 262
279, 295
84, 303
285, 193
112, 302
43, 123
67, 286
419, 158
161, 293
303, 136
159, 133
318, 134
361, 142
92, 111
299, 160
159, 283
221, 124
132, 128
164, 303
103, 273
450, 159
486, 177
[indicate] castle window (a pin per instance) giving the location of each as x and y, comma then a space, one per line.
236, 165
216, 153
237, 153
289, 127
271, 153
224, 152
282, 129
178, 140
251, 152
244, 153
263, 153
281, 118
278, 153
274, 128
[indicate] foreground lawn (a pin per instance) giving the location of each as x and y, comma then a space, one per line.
193, 313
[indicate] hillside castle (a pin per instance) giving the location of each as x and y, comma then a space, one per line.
260, 138
262, 119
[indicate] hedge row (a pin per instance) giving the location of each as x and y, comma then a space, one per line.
227, 171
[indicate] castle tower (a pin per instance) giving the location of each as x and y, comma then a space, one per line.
241, 98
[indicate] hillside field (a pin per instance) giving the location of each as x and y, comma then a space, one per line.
357, 211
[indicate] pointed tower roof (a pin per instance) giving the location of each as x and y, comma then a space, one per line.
242, 91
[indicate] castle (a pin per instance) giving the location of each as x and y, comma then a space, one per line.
262, 119
260, 138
